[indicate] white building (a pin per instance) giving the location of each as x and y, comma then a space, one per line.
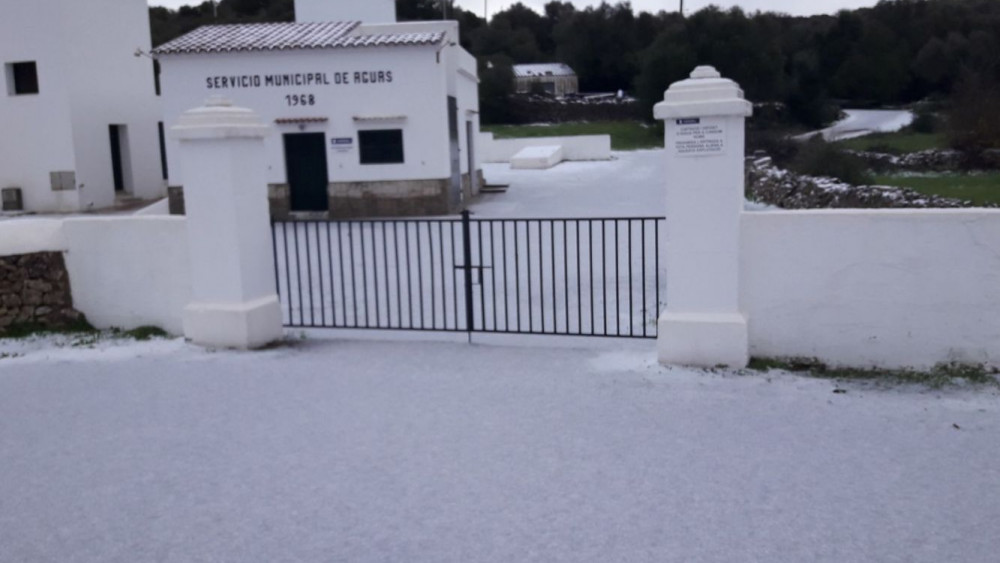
79, 109
557, 79
373, 117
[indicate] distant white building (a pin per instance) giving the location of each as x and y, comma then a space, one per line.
373, 117
78, 109
556, 79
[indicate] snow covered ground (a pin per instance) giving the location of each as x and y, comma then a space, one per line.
632, 184
861, 122
376, 451
542, 449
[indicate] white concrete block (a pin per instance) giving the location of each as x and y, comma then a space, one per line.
575, 147
243, 326
703, 340
537, 158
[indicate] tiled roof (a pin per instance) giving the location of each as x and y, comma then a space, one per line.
297, 120
285, 36
543, 69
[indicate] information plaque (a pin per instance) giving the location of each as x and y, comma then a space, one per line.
699, 136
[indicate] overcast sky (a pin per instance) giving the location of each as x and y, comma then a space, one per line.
795, 7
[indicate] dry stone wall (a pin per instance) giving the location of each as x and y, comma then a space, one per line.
35, 290
766, 183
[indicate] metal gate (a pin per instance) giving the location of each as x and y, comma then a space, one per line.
573, 277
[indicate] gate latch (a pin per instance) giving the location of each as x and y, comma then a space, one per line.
476, 268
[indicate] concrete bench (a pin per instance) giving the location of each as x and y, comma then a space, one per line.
537, 158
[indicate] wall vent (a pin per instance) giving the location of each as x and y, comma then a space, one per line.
12, 199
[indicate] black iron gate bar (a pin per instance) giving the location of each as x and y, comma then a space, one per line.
518, 276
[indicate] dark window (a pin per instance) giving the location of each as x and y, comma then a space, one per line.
163, 149
118, 170
156, 76
381, 146
25, 76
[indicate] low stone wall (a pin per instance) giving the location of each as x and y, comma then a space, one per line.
766, 183
541, 109
279, 200
401, 198
934, 160
389, 199
34, 289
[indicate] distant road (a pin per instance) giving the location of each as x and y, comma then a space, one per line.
861, 122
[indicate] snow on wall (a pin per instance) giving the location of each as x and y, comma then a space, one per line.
129, 272
578, 147
890, 288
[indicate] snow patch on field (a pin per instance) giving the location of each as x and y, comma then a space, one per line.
861, 122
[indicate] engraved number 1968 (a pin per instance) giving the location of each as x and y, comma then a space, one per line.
300, 99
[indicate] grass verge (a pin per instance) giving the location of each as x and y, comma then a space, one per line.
82, 333
979, 188
27, 330
940, 376
142, 333
625, 135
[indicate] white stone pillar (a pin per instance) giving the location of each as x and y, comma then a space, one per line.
235, 302
705, 119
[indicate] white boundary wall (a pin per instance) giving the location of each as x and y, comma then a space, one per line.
124, 272
27, 236
899, 288
579, 147
129, 272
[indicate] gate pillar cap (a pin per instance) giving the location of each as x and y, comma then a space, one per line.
218, 118
705, 94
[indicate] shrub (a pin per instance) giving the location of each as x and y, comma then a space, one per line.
974, 116
924, 122
146, 333
819, 158
775, 144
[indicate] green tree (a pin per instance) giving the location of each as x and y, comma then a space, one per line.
496, 85
670, 58
974, 114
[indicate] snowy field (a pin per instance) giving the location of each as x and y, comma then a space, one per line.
630, 185
861, 122
366, 451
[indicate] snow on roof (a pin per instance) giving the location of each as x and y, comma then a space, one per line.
287, 36
543, 69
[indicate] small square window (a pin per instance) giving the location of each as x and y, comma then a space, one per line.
381, 146
22, 78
